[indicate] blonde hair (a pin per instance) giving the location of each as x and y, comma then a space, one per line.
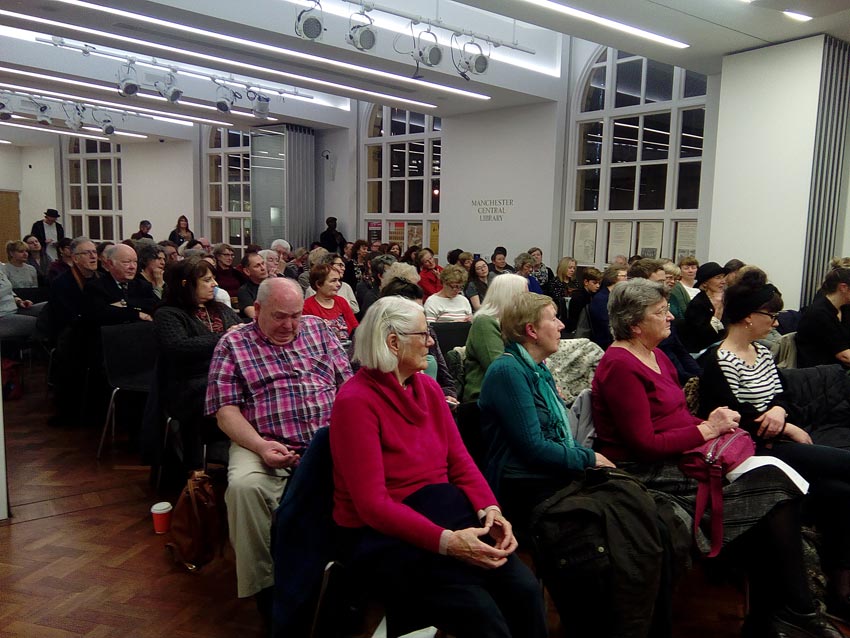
453, 274
501, 293
563, 267
526, 309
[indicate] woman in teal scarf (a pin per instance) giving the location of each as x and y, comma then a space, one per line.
531, 451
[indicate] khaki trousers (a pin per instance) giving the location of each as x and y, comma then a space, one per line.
253, 493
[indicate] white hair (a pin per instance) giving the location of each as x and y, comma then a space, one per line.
265, 254
281, 243
501, 293
388, 315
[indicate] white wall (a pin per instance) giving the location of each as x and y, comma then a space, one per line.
336, 179
509, 156
10, 168
765, 144
159, 185
41, 184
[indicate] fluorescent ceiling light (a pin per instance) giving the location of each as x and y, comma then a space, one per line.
211, 58
123, 133
799, 17
589, 17
5, 142
268, 48
177, 118
55, 131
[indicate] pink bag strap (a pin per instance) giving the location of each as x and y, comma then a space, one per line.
711, 492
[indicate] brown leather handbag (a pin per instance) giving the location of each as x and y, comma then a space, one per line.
198, 524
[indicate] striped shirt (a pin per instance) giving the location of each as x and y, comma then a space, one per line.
441, 309
286, 392
755, 384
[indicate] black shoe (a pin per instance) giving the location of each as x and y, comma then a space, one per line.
790, 624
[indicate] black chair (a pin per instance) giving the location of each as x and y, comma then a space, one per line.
451, 334
129, 358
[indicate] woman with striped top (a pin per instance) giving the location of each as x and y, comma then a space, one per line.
740, 373
448, 304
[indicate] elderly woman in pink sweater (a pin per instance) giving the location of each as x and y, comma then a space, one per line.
417, 520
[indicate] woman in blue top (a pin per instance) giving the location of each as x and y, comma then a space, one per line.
531, 452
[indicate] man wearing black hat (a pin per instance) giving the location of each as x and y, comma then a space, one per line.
702, 326
49, 231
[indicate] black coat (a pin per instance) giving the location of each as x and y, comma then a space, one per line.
695, 330
38, 231
101, 293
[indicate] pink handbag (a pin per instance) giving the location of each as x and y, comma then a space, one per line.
708, 464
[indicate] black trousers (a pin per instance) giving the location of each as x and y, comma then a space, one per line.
421, 588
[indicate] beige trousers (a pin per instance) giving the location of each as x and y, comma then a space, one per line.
253, 493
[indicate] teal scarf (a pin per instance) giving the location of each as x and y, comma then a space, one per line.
545, 386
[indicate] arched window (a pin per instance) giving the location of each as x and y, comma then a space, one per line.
228, 192
93, 189
637, 159
401, 198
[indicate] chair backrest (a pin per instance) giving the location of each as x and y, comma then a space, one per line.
129, 354
786, 354
451, 334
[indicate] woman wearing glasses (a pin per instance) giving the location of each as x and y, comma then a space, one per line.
740, 373
408, 499
448, 304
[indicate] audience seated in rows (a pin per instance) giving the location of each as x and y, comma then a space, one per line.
702, 325
118, 297
18, 271
345, 291
412, 506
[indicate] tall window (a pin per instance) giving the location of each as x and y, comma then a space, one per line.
228, 189
637, 159
94, 190
402, 156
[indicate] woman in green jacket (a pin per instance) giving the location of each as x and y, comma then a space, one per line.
484, 342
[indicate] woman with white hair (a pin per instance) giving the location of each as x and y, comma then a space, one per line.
484, 343
408, 499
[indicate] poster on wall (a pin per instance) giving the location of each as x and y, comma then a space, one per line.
434, 237
373, 231
649, 239
686, 240
414, 234
584, 243
396, 233
619, 239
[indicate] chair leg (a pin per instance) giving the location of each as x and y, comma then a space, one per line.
164, 447
110, 415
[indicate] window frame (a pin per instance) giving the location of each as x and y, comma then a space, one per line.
82, 220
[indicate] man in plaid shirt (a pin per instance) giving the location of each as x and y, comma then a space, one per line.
271, 386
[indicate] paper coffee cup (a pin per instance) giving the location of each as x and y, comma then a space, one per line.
161, 513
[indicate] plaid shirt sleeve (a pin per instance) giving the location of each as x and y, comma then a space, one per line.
224, 386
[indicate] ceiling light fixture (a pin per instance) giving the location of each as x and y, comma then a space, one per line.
429, 54
127, 83
362, 37
168, 88
241, 42
43, 113
799, 17
176, 118
6, 110
55, 131
310, 22
74, 116
260, 104
225, 97
605, 22
472, 60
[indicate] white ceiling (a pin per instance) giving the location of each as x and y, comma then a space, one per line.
711, 28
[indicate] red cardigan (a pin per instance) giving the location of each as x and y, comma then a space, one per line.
389, 441
429, 280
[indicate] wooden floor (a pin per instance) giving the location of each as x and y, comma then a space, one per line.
79, 556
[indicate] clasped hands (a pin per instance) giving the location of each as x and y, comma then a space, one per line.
277, 455
466, 544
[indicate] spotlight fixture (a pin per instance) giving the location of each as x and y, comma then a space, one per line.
106, 126
74, 116
127, 83
168, 88
43, 114
260, 104
472, 61
6, 110
310, 22
429, 54
225, 97
362, 36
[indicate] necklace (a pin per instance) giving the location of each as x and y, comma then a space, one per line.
206, 316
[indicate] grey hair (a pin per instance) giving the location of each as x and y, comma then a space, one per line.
282, 243
388, 315
380, 264
400, 270
628, 303
265, 254
109, 251
501, 293
75, 243
193, 252
522, 259
316, 256
267, 287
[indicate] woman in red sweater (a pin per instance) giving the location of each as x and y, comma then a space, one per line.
327, 304
417, 519
429, 272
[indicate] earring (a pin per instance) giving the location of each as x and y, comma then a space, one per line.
749, 325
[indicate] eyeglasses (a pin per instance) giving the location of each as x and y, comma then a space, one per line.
228, 254
424, 334
662, 312
456, 286
773, 315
